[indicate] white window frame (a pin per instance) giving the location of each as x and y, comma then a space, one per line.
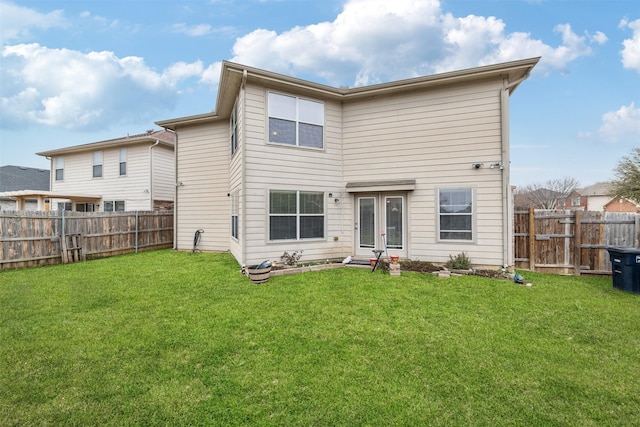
233, 125
235, 215
98, 161
114, 205
59, 168
472, 215
297, 117
122, 154
298, 215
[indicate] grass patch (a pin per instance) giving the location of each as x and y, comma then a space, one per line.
179, 338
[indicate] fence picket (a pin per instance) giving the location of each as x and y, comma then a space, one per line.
32, 238
570, 242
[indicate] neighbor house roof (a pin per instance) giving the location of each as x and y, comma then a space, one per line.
597, 189
165, 137
233, 76
13, 178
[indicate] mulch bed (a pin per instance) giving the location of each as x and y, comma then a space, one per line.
427, 267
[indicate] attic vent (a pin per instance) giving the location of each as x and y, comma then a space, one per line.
149, 130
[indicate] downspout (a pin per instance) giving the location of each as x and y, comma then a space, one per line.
175, 193
151, 174
243, 152
507, 211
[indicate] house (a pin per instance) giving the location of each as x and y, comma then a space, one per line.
575, 201
20, 178
418, 166
130, 173
597, 197
621, 204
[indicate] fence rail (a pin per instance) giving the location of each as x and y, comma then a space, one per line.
571, 242
31, 238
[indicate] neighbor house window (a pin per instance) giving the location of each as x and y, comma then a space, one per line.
455, 214
123, 161
235, 210
84, 207
296, 121
296, 215
59, 168
233, 123
575, 201
64, 206
114, 206
97, 164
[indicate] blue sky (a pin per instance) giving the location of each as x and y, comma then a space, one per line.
74, 72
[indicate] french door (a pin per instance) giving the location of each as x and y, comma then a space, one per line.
380, 219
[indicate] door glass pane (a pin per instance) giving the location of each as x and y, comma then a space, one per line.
367, 223
394, 215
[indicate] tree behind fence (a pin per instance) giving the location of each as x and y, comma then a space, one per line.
30, 238
572, 242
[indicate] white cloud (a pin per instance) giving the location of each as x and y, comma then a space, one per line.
622, 125
16, 22
379, 40
599, 37
631, 47
193, 30
71, 89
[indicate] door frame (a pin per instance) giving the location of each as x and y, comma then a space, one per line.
380, 223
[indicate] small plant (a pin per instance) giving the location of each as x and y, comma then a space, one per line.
291, 259
460, 262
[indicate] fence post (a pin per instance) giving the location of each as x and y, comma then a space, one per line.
577, 256
532, 239
636, 231
136, 245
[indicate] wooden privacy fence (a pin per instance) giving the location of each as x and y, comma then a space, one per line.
571, 242
29, 238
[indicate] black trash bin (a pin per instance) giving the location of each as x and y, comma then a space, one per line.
625, 266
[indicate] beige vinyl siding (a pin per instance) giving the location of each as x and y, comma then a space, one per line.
203, 171
279, 167
163, 173
433, 137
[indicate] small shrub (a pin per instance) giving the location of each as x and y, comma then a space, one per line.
291, 259
460, 262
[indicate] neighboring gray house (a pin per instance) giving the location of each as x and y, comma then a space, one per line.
18, 178
420, 166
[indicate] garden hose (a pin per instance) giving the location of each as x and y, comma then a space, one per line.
196, 239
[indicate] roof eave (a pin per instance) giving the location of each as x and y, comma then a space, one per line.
122, 142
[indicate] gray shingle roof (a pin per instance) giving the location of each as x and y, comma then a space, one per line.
13, 178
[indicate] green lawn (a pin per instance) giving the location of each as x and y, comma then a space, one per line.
182, 339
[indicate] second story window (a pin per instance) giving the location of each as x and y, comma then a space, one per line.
59, 168
296, 121
233, 122
123, 161
97, 164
